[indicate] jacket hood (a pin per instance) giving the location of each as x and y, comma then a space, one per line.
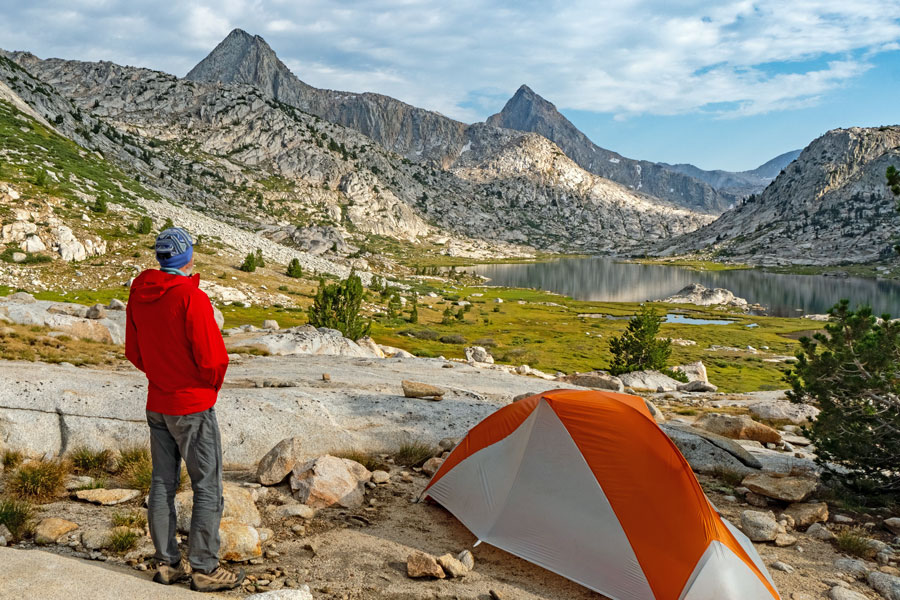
151, 285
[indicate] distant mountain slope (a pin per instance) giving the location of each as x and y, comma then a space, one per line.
426, 136
740, 183
527, 111
829, 206
260, 164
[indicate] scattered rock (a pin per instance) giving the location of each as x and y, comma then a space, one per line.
523, 396
855, 567
301, 593
432, 465
597, 380
757, 500
479, 355
759, 526
328, 480
655, 412
649, 380
50, 530
775, 410
695, 371
292, 509
276, 465
239, 541
700, 295
98, 311
782, 566
5, 536
886, 585
18, 257
785, 539
787, 488
448, 443
807, 513
842, 519
379, 476
96, 539
106, 497
820, 532
843, 593
466, 558
697, 386
419, 564
414, 389
893, 525
270, 324
239, 507
737, 427
306, 339
452, 566
116, 304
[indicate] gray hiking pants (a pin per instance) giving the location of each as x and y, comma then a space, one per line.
194, 438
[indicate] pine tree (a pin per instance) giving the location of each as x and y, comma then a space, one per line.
893, 180
145, 225
168, 224
414, 309
294, 269
394, 306
260, 261
638, 349
249, 264
337, 306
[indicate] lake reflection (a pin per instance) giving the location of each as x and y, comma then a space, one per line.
602, 279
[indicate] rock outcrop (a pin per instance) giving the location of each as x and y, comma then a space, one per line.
700, 295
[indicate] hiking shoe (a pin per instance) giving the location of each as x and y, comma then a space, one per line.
218, 580
167, 574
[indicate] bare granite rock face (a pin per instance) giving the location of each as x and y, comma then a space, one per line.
700, 295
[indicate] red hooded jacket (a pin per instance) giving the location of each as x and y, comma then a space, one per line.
172, 336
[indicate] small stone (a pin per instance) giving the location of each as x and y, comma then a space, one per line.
294, 509
415, 389
786, 488
278, 462
466, 558
820, 532
757, 500
495, 595
449, 443
96, 539
379, 476
807, 513
801, 596
842, 519
843, 593
432, 465
893, 525
105, 497
270, 324
326, 377
419, 564
782, 566
759, 526
855, 567
98, 311
116, 304
785, 539
452, 566
50, 530
18, 257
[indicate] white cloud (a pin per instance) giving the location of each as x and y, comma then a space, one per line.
630, 57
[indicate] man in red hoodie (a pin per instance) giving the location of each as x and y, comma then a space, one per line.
172, 336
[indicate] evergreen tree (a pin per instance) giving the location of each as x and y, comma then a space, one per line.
638, 349
260, 261
249, 264
893, 180
294, 269
145, 225
168, 224
99, 206
337, 306
414, 309
852, 372
394, 306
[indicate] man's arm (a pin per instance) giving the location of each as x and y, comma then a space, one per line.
132, 349
207, 344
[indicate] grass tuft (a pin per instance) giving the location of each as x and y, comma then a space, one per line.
16, 515
130, 456
123, 539
134, 519
854, 541
87, 460
369, 461
12, 459
414, 454
38, 481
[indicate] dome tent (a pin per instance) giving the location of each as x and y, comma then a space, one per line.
585, 484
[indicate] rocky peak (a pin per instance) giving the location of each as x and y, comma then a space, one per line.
245, 58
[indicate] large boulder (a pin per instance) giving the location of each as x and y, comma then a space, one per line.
807, 513
478, 354
328, 480
708, 453
697, 386
738, 427
695, 371
780, 410
306, 340
886, 585
649, 380
700, 295
780, 487
50, 530
107, 497
278, 462
416, 389
239, 507
597, 380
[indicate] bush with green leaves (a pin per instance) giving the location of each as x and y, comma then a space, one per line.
337, 306
144, 226
168, 224
393, 306
294, 269
638, 348
100, 206
249, 264
260, 261
414, 309
893, 180
852, 372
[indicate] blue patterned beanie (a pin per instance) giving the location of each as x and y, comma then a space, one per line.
174, 248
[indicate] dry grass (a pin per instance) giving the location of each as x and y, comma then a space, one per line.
368, 460
12, 459
39, 481
23, 342
134, 519
17, 516
130, 456
854, 541
123, 539
414, 454
89, 461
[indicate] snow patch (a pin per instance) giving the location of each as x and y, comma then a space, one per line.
466, 148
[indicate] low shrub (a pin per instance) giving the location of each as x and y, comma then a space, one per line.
123, 539
414, 453
39, 481
87, 460
134, 519
16, 515
854, 541
453, 338
421, 334
485, 342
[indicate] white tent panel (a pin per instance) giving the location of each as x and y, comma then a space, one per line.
722, 575
749, 548
533, 495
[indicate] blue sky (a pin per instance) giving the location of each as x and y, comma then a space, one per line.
727, 84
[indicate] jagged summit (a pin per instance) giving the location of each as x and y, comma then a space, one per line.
245, 58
